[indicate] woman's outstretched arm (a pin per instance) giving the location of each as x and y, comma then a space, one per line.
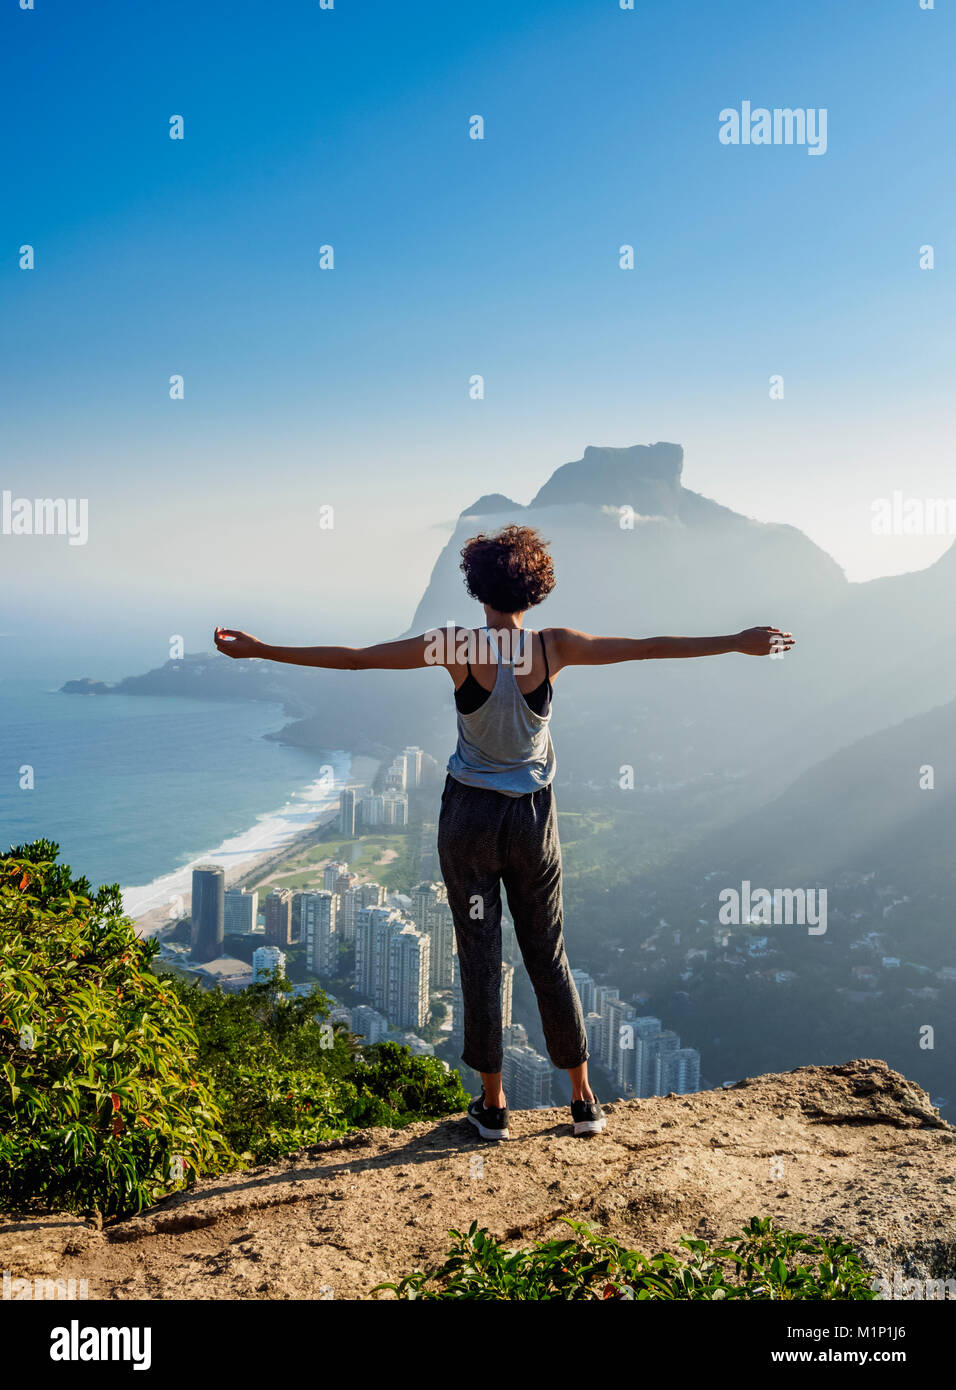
406, 654
581, 649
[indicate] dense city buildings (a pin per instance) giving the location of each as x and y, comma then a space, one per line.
642, 1057
208, 911
373, 1027
386, 808
406, 963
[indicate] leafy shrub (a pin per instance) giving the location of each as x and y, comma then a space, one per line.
286, 1078
101, 1106
766, 1263
409, 1086
118, 1086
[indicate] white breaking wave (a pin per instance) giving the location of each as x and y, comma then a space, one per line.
272, 831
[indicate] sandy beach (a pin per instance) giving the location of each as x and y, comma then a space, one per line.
252, 854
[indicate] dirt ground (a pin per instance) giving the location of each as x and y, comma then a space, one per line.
854, 1151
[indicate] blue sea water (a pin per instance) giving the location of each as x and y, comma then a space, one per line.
133, 787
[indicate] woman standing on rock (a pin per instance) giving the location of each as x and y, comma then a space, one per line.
498, 823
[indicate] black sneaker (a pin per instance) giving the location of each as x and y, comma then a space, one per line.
490, 1122
587, 1116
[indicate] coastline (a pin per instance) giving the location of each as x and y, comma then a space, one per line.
263, 846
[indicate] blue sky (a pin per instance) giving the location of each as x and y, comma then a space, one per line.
453, 257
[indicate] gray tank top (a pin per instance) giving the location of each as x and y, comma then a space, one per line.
504, 745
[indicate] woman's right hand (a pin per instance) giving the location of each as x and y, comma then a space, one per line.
231, 642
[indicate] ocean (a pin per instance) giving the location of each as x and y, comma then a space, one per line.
137, 788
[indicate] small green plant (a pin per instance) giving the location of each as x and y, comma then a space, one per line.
763, 1263
101, 1106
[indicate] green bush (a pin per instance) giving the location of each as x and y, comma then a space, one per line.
286, 1078
119, 1087
101, 1105
764, 1263
411, 1087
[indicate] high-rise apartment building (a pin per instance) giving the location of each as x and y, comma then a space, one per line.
426, 897
371, 811
620, 1043
354, 899
397, 775
333, 871
602, 994
241, 911
442, 935
663, 1062
585, 988
278, 909
394, 809
408, 952
375, 926
432, 915
342, 885
318, 915
526, 1077
347, 809
266, 959
646, 1029
368, 1024
683, 1073
593, 1026
413, 766
207, 911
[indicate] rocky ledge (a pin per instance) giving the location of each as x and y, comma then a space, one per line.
853, 1151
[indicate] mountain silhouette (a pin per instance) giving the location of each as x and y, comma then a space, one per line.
638, 554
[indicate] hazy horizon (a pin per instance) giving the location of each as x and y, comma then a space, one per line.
129, 632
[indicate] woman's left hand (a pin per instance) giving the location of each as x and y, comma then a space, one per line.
764, 641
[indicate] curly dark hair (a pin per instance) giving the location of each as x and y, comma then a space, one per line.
511, 570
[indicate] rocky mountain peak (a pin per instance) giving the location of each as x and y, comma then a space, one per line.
646, 477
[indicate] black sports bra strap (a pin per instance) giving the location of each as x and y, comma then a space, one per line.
544, 653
